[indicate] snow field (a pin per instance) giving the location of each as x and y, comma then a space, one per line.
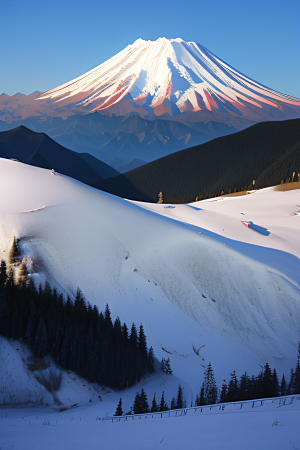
240, 300
269, 426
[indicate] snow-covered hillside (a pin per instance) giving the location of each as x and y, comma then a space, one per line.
192, 275
269, 426
170, 76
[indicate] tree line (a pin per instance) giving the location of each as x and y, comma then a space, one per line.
264, 385
76, 335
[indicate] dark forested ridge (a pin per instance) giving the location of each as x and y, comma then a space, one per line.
38, 149
267, 152
74, 334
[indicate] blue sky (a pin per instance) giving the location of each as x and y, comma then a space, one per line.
46, 43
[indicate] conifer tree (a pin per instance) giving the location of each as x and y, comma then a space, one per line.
14, 253
243, 391
23, 275
163, 405
290, 389
154, 406
223, 394
150, 364
173, 404
133, 336
119, 410
233, 388
210, 390
267, 382
166, 366
180, 401
202, 400
283, 387
274, 388
137, 409
144, 402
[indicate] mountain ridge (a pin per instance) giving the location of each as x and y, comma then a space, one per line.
267, 152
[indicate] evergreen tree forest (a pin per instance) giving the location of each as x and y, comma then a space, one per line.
76, 335
264, 385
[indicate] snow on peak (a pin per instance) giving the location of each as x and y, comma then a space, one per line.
170, 76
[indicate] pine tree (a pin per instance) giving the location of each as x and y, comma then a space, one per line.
243, 391
150, 364
154, 406
119, 410
274, 390
142, 346
290, 389
283, 387
173, 404
14, 254
23, 275
180, 402
210, 390
133, 337
223, 394
233, 388
267, 382
144, 402
202, 400
166, 366
137, 409
163, 405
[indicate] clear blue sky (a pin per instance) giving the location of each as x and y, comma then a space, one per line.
46, 43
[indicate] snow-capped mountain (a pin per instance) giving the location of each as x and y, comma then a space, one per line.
171, 76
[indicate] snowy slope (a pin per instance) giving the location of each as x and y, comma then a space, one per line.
263, 427
238, 296
171, 76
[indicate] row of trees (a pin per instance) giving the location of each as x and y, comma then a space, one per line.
141, 405
73, 333
264, 385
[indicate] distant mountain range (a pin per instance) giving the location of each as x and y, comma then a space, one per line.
37, 149
120, 140
152, 99
266, 152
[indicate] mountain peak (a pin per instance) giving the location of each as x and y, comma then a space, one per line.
170, 76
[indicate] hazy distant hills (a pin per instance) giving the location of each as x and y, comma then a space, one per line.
119, 140
40, 150
266, 152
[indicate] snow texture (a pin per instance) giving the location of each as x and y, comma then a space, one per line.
192, 276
